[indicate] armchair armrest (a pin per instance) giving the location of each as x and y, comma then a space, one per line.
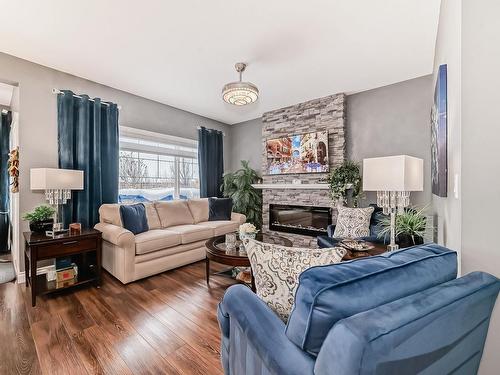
118, 236
238, 217
429, 331
330, 230
250, 328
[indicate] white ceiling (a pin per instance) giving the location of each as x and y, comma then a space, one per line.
6, 94
182, 52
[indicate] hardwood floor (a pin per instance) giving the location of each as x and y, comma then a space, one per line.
165, 324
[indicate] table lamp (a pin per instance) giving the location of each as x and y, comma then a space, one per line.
57, 184
393, 178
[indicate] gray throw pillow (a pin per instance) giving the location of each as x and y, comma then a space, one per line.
353, 222
276, 270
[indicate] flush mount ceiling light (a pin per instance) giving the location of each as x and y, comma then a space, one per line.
240, 93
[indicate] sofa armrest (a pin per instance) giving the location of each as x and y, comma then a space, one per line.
259, 333
118, 236
240, 218
326, 242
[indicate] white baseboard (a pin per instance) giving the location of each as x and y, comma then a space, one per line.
21, 276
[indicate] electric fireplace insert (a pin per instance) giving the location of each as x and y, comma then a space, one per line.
305, 220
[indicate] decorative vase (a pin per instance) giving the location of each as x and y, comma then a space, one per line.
41, 226
244, 235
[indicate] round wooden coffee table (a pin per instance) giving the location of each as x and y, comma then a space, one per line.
377, 249
217, 252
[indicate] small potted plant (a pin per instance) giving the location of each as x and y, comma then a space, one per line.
247, 230
410, 227
41, 218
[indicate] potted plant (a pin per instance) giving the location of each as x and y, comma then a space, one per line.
410, 227
344, 178
41, 218
246, 199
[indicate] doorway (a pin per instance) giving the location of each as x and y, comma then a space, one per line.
8, 197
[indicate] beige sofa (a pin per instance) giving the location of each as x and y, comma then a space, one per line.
177, 234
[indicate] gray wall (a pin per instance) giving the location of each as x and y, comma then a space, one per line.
385, 121
38, 116
447, 51
480, 55
392, 120
246, 144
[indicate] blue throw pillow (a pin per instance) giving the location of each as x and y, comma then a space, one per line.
219, 208
134, 218
328, 294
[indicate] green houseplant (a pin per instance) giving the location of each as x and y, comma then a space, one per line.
344, 177
410, 227
41, 218
246, 199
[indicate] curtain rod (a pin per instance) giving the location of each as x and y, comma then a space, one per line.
57, 91
199, 127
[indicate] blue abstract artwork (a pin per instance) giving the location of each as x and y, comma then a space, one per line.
439, 135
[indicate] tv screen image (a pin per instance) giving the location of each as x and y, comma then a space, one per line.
301, 153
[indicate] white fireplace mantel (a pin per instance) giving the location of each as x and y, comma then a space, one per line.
292, 186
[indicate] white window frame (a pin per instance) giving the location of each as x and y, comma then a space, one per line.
146, 135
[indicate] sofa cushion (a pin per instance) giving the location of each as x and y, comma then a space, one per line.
328, 294
109, 213
154, 240
192, 233
152, 215
221, 227
174, 213
199, 209
219, 209
276, 270
134, 218
353, 222
169, 251
239, 218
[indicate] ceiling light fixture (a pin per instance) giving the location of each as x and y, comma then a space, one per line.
240, 93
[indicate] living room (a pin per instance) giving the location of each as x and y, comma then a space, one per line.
237, 188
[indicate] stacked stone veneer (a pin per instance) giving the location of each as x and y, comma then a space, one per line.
328, 113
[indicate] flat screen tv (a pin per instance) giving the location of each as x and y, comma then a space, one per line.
300, 153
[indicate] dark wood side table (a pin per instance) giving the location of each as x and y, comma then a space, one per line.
39, 247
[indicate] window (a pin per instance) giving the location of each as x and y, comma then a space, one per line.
155, 166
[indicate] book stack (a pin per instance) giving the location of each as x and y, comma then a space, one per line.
66, 272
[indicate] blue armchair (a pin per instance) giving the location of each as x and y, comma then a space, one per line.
399, 313
330, 241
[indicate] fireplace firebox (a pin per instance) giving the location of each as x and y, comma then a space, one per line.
305, 220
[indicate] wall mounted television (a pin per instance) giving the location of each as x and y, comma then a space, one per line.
300, 153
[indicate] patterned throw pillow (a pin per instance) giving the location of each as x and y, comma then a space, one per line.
276, 270
353, 222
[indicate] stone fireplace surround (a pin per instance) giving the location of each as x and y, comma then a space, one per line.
327, 113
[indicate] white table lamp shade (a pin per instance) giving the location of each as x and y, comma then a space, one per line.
55, 179
393, 173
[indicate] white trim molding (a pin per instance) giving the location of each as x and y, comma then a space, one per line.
21, 276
